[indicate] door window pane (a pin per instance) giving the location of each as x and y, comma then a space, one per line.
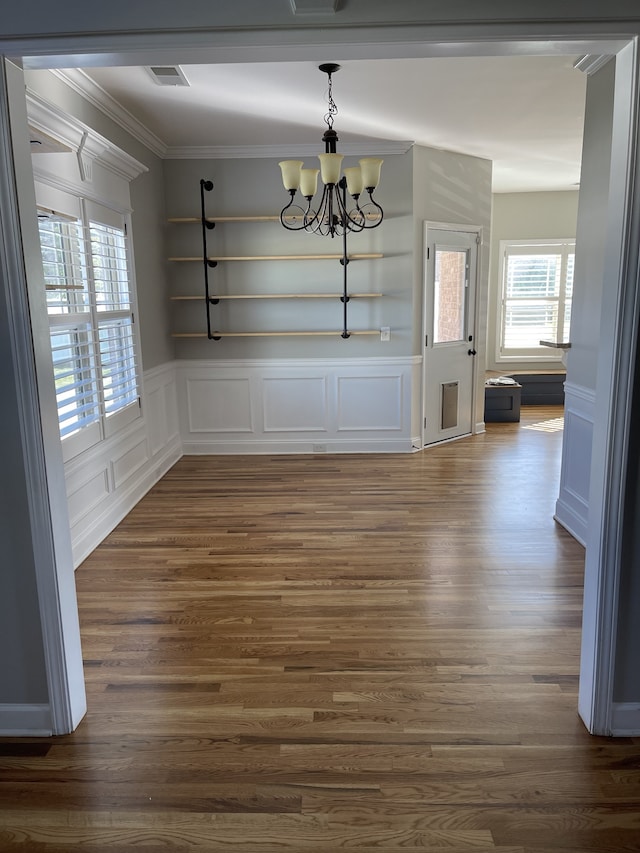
450, 295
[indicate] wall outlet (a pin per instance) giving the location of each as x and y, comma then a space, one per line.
385, 333
319, 448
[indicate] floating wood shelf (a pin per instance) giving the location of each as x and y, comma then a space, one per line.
336, 257
192, 219
278, 296
270, 334
210, 261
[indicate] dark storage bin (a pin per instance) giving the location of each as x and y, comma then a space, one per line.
502, 403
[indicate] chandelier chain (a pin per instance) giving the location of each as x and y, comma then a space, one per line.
333, 108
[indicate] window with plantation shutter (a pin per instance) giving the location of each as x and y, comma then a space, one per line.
89, 302
537, 287
115, 334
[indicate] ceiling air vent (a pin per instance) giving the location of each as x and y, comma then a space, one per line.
168, 75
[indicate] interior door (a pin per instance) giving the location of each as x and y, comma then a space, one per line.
449, 363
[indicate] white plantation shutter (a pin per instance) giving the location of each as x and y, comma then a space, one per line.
117, 364
110, 273
89, 301
75, 377
68, 306
116, 341
537, 286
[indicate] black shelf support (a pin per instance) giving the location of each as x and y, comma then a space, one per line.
207, 186
344, 260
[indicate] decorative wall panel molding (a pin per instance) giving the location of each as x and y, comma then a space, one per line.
370, 403
572, 506
309, 393
307, 406
105, 482
219, 404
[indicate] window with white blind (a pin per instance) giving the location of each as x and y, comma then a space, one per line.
536, 288
91, 321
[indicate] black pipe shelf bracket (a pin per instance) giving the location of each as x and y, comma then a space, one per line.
208, 224
207, 263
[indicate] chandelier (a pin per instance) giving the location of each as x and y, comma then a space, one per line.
331, 217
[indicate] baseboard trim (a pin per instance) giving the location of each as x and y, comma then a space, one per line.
625, 719
25, 720
573, 523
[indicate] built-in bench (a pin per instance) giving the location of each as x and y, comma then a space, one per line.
541, 389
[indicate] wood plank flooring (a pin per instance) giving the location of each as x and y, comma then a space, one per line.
295, 653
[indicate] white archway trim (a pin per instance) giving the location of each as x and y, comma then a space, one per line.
47, 501
612, 427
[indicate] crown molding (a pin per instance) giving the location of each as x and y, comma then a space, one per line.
88, 145
240, 152
81, 83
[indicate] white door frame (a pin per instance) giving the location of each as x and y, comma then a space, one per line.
477, 230
620, 305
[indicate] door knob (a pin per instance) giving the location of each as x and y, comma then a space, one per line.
471, 352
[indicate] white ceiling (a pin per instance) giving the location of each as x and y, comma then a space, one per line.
525, 113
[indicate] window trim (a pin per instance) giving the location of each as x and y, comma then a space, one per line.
105, 425
564, 246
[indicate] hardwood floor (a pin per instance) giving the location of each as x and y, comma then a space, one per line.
294, 653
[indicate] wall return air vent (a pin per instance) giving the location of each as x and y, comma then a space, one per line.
168, 75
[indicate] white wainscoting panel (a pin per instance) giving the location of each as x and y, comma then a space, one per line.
220, 404
307, 406
370, 403
85, 491
572, 506
129, 460
294, 403
106, 481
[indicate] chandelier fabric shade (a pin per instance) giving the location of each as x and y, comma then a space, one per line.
332, 216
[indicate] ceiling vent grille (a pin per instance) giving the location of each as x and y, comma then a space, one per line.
168, 75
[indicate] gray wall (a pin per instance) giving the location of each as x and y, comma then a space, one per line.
582, 358
253, 187
626, 686
524, 216
425, 184
22, 669
449, 188
455, 189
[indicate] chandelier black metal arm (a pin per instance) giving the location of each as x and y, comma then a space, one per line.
332, 217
